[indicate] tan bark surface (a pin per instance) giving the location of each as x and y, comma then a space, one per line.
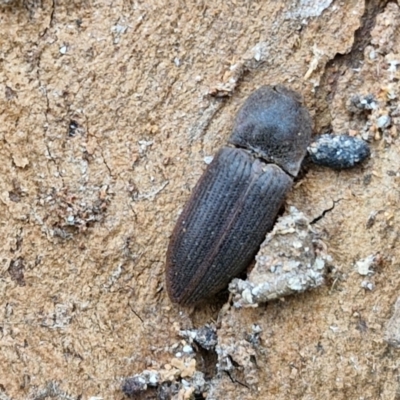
108, 109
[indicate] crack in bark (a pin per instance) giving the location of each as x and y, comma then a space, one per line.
326, 211
43, 89
334, 68
234, 380
105, 162
362, 38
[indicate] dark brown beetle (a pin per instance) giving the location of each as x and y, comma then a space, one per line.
236, 201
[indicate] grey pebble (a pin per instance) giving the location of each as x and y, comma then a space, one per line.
134, 385
383, 121
338, 152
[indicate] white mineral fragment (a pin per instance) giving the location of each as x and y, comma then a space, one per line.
364, 266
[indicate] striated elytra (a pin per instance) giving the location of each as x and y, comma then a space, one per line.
236, 201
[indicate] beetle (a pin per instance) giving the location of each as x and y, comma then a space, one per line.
237, 199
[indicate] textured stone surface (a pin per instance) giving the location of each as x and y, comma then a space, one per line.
108, 110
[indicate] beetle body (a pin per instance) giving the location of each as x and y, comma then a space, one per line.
236, 201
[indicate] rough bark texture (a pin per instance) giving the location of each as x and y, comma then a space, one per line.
108, 109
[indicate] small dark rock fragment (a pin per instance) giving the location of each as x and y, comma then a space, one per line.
73, 128
16, 271
206, 336
359, 104
134, 386
139, 384
167, 390
338, 152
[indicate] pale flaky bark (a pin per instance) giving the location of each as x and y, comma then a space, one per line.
109, 110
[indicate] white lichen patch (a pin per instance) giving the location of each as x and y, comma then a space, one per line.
364, 266
308, 8
286, 263
178, 379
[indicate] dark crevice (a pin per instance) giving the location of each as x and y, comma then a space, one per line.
341, 62
362, 36
322, 215
53, 8
207, 362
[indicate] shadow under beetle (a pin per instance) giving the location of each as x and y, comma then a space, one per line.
236, 201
